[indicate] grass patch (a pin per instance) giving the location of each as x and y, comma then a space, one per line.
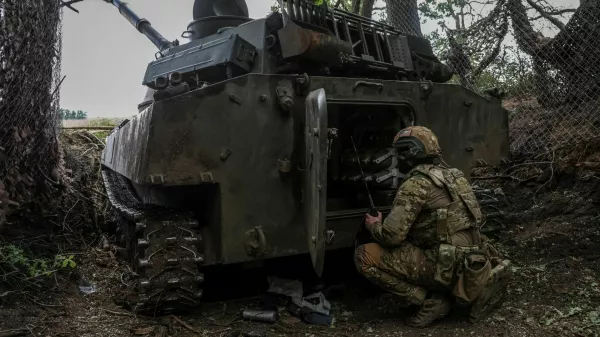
104, 122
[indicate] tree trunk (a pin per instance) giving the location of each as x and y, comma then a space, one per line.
404, 15
367, 9
355, 6
571, 52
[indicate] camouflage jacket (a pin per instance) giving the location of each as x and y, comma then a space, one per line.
431, 206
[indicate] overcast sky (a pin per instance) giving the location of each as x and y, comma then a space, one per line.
104, 58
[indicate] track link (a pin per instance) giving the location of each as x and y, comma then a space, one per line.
164, 247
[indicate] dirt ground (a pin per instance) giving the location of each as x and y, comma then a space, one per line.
550, 230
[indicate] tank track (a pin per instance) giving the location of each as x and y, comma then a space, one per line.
164, 248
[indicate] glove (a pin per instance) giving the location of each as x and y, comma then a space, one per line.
371, 220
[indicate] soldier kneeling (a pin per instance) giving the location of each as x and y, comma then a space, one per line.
429, 250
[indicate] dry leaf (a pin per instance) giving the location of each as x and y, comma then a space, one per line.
560, 289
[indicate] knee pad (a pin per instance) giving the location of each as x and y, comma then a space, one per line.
367, 257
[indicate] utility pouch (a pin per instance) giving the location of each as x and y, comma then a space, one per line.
472, 277
446, 261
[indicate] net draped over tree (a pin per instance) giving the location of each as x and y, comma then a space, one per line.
543, 57
30, 50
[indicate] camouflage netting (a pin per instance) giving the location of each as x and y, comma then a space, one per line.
30, 50
545, 58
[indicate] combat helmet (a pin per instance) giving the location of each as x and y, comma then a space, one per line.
417, 142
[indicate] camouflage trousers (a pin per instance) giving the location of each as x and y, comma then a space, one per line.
405, 270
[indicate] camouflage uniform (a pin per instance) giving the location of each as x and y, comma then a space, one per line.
433, 208
429, 246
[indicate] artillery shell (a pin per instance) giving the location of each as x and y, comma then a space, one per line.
260, 315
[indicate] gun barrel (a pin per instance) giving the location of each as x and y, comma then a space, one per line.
142, 25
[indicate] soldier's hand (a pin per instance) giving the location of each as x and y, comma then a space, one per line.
371, 220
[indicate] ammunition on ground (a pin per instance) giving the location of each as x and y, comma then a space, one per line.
269, 316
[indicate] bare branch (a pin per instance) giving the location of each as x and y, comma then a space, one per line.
495, 52
526, 37
546, 16
558, 12
562, 11
481, 3
69, 3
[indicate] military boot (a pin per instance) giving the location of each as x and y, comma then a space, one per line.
432, 309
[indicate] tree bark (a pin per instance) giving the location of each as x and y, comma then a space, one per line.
355, 6
571, 52
367, 9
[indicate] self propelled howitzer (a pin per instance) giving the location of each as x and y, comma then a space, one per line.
242, 150
143, 26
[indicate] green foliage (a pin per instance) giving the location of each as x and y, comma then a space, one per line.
104, 122
435, 9
342, 4
509, 71
61, 261
15, 261
71, 114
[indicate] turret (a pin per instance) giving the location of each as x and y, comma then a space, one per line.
143, 26
212, 15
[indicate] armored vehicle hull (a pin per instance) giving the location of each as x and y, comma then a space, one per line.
256, 162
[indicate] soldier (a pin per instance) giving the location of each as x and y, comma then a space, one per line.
428, 250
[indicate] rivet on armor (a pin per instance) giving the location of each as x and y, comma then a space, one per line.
144, 263
142, 243
198, 294
199, 278
236, 99
199, 259
173, 281
171, 240
225, 154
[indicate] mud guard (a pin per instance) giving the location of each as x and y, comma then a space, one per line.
315, 176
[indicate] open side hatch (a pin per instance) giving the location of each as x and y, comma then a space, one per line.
315, 176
